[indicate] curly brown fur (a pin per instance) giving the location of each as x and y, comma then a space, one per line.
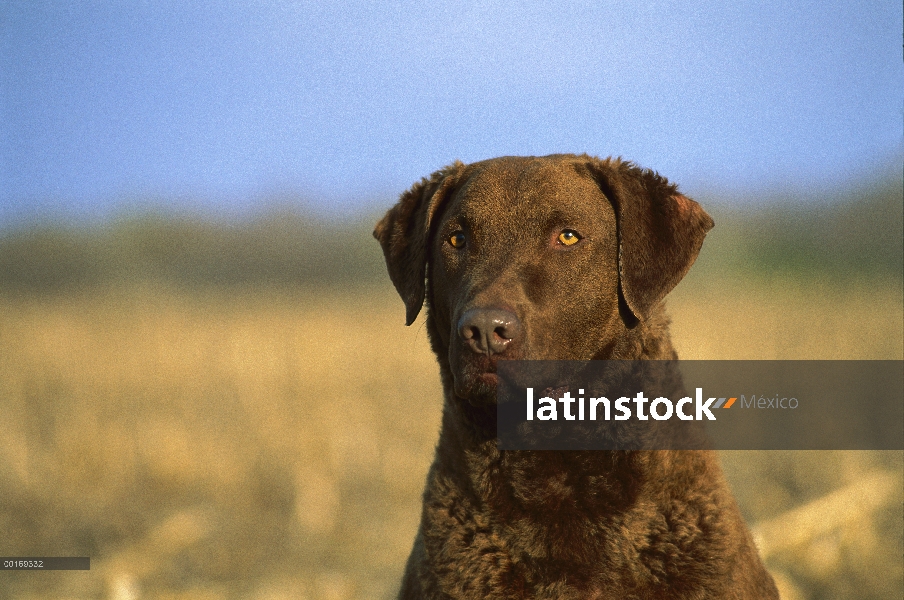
541, 524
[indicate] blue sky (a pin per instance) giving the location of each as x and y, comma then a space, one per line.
228, 105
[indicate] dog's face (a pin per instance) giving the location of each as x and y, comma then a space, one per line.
523, 265
536, 258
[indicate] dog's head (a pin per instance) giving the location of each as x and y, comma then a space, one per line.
536, 258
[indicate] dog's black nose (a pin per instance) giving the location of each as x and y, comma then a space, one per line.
489, 330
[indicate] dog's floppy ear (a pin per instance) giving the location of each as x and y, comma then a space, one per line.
660, 231
404, 233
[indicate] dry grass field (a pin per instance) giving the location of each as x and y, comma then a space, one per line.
273, 444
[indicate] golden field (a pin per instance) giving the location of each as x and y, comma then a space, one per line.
272, 444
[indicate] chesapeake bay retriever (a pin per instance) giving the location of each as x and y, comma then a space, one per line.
556, 257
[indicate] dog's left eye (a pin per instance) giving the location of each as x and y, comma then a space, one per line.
569, 237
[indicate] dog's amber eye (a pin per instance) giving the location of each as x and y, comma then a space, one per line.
569, 237
457, 239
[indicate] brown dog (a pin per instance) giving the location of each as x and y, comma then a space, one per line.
556, 257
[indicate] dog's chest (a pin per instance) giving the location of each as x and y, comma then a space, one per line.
535, 537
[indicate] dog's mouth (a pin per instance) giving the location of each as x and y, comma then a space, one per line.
475, 378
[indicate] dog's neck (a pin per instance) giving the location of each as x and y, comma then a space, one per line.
560, 502
468, 451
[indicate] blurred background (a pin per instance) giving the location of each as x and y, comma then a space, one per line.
205, 380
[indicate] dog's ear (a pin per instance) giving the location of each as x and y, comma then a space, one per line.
660, 231
404, 233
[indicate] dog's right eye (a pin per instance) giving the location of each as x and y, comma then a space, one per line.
457, 239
